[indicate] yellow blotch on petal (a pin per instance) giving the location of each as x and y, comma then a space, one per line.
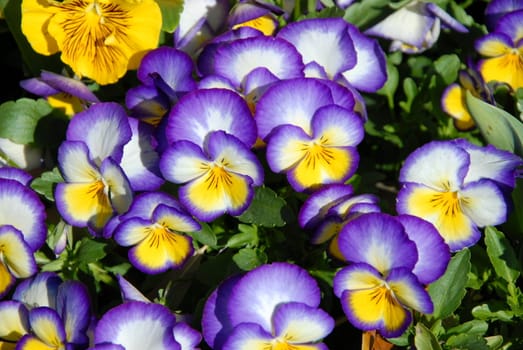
283, 345
7, 346
36, 16
88, 202
36, 344
454, 104
443, 209
507, 68
321, 164
69, 105
162, 247
6, 279
218, 189
264, 24
378, 305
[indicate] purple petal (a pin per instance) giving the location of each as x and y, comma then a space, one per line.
378, 240
129, 292
186, 336
236, 60
104, 128
445, 18
21, 208
10, 173
249, 336
140, 159
324, 41
288, 102
175, 67
74, 305
433, 252
203, 111
370, 72
136, 326
257, 294
216, 323
145, 203
41, 290
317, 205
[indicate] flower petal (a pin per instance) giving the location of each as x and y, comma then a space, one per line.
438, 164
484, 203
47, 325
317, 205
104, 128
40, 290
379, 240
258, 293
201, 112
433, 253
74, 306
453, 103
249, 336
136, 326
300, 323
15, 322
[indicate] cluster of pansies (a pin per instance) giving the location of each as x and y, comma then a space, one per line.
236, 99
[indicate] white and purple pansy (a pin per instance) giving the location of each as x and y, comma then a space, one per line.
217, 179
156, 231
270, 307
456, 187
388, 270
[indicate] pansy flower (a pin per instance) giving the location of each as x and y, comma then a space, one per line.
217, 179
344, 54
415, 27
63, 93
381, 287
313, 141
22, 227
98, 39
496, 9
155, 227
136, 325
165, 74
95, 186
327, 210
503, 50
453, 100
271, 307
455, 186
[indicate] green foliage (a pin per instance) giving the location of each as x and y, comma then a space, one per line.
19, 119
171, 10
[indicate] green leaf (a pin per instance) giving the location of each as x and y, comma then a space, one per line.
494, 342
248, 258
483, 312
247, 236
44, 184
447, 67
265, 210
502, 255
18, 119
498, 127
475, 327
411, 90
89, 251
391, 85
205, 236
448, 291
171, 10
424, 339
467, 341
366, 13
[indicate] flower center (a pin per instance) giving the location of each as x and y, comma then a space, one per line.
447, 202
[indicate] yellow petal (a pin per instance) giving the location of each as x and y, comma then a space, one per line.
6, 279
506, 69
454, 104
36, 15
103, 39
264, 24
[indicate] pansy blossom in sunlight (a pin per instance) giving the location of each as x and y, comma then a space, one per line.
415, 27
217, 179
22, 227
98, 39
255, 14
95, 186
274, 306
502, 50
313, 141
391, 260
458, 187
155, 226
